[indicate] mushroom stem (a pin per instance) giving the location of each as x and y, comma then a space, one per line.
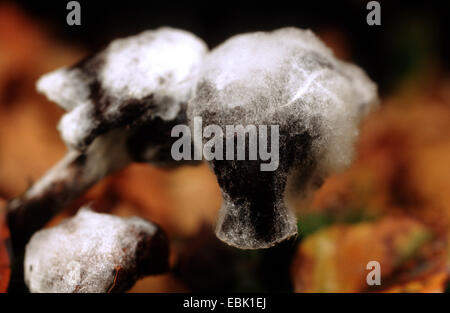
63, 183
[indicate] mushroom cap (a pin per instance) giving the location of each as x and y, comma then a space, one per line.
149, 74
288, 78
94, 252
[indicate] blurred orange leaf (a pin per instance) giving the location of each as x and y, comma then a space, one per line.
334, 259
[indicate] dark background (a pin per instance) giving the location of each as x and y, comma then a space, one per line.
411, 31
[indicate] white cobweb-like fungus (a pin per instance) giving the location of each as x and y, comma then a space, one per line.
149, 73
289, 78
94, 252
121, 104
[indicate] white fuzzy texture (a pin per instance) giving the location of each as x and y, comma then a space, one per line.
288, 78
284, 69
163, 61
66, 87
159, 65
77, 124
82, 253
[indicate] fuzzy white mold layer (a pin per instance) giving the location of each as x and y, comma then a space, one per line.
290, 72
162, 61
288, 78
161, 64
67, 87
82, 253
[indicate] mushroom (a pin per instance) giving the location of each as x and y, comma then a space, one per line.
121, 104
124, 101
93, 252
288, 80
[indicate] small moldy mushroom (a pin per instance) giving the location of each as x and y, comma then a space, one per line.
290, 79
121, 104
94, 252
135, 78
